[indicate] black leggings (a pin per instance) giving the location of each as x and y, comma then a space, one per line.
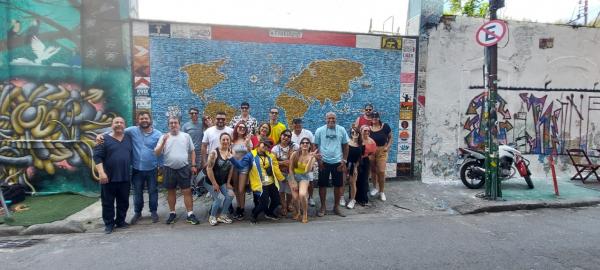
362, 182
266, 201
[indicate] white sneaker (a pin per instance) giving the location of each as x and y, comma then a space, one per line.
342, 201
212, 220
374, 192
382, 196
311, 202
351, 204
224, 219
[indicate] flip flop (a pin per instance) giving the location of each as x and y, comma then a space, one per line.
320, 213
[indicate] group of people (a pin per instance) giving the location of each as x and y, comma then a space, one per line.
277, 164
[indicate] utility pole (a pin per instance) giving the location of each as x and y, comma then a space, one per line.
492, 184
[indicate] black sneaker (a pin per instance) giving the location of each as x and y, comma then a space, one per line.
123, 225
231, 209
239, 215
154, 217
271, 217
253, 219
108, 229
192, 219
171, 218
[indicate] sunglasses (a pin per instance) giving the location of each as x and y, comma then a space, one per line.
304, 142
193, 113
274, 112
241, 127
287, 135
244, 108
368, 110
220, 119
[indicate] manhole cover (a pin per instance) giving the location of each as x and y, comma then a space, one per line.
19, 243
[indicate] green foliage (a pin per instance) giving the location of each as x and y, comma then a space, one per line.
471, 8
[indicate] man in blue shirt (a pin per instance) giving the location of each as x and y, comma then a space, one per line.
113, 162
144, 138
145, 165
332, 143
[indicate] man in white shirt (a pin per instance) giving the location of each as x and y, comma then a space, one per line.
177, 149
210, 140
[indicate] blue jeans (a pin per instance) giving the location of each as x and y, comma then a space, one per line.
139, 179
218, 204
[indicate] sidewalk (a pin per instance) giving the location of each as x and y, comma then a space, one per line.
404, 198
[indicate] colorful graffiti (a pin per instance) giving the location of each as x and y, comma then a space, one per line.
63, 77
540, 124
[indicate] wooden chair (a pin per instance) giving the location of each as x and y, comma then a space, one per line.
582, 164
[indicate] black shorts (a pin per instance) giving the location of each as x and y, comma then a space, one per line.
174, 178
326, 171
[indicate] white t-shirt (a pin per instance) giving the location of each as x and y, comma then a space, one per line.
177, 149
212, 135
304, 133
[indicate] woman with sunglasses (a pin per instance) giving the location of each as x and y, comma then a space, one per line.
240, 147
219, 170
207, 122
381, 133
368, 149
300, 166
264, 129
365, 119
283, 152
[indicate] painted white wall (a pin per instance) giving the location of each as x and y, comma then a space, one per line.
455, 62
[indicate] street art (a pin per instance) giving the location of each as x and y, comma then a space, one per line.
45, 127
63, 78
539, 123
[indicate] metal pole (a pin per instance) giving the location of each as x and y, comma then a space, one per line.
492, 185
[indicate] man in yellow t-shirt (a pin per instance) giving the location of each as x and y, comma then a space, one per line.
276, 127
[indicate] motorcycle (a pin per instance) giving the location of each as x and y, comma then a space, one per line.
472, 168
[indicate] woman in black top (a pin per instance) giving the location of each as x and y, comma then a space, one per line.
219, 171
355, 151
381, 133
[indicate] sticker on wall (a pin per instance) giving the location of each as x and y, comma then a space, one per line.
142, 91
391, 43
368, 42
407, 97
143, 103
159, 29
191, 31
407, 88
277, 33
141, 82
406, 110
409, 45
407, 77
390, 169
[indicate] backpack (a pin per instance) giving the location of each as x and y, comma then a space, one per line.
14, 193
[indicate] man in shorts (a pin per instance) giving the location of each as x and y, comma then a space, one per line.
177, 148
332, 142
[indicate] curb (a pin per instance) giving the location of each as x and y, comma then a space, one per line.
468, 209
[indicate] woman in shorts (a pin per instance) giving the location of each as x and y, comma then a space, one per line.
381, 133
300, 166
240, 147
283, 152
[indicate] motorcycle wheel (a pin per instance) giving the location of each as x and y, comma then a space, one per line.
468, 178
528, 180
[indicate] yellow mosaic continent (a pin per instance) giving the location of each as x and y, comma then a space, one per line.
213, 107
202, 77
326, 79
294, 107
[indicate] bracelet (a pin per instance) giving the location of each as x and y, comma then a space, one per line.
194, 165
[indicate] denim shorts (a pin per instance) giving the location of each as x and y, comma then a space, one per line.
246, 163
302, 177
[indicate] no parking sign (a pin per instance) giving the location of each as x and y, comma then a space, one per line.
491, 33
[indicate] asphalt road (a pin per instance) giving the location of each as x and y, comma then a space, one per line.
540, 239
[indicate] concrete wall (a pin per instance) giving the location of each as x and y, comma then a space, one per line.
64, 74
549, 93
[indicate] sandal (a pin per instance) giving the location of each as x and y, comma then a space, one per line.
305, 220
321, 213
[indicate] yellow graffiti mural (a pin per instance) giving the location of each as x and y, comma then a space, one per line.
45, 126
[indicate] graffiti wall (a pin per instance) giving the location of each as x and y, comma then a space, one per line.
64, 76
549, 97
303, 73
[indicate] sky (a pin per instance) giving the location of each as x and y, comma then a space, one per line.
334, 15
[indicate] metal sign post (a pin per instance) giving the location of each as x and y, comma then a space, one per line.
489, 35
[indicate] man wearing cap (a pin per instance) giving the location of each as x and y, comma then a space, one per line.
298, 133
251, 123
332, 142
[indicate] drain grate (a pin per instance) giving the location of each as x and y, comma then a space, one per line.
19, 243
